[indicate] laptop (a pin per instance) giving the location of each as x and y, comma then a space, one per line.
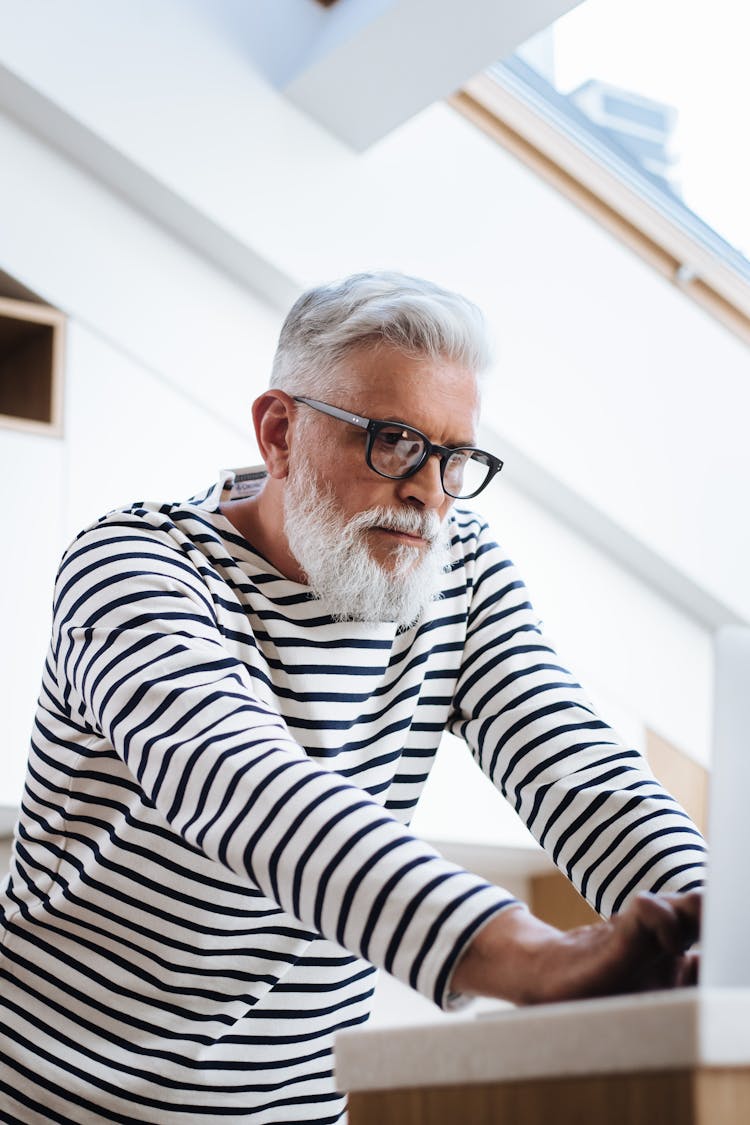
725, 939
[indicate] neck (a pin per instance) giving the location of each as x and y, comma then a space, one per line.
259, 520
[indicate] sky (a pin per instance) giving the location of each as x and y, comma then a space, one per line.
693, 56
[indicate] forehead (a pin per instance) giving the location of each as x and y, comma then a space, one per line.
437, 395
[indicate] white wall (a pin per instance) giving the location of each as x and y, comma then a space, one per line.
163, 359
641, 661
33, 493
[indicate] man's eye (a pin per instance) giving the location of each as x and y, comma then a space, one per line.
392, 438
458, 458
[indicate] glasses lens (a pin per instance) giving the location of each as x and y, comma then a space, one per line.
396, 450
465, 472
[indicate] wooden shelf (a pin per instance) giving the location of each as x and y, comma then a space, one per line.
31, 357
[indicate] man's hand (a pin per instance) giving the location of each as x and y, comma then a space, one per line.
517, 957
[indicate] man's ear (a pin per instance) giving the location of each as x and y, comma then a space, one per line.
272, 418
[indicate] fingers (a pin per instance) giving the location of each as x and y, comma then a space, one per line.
687, 970
690, 909
672, 920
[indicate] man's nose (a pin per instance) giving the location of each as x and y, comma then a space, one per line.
425, 487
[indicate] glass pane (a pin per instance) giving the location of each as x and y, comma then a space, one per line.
667, 86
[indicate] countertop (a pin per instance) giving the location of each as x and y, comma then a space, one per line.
649, 1031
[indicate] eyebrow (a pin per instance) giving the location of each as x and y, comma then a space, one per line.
362, 421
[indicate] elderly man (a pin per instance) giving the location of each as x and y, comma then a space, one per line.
242, 700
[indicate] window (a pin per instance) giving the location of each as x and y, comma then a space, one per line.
635, 113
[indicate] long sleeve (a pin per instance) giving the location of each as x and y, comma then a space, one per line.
590, 801
138, 647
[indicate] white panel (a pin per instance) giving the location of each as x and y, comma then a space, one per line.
460, 803
31, 469
726, 954
130, 436
41, 116
378, 62
641, 660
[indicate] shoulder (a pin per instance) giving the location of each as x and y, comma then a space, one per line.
152, 543
130, 530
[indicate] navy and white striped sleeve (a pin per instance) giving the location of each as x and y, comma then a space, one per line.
591, 801
138, 649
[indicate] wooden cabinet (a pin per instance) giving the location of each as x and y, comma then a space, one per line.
704, 1096
31, 360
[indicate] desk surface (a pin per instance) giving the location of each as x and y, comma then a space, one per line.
653, 1031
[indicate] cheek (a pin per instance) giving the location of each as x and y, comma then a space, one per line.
340, 459
355, 486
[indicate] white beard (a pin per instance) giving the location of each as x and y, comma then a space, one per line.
335, 557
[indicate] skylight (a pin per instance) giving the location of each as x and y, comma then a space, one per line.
666, 88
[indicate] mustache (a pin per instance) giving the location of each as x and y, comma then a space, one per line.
427, 525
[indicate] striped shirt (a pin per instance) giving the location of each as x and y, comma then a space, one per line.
212, 852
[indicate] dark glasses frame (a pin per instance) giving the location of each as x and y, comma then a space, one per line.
373, 426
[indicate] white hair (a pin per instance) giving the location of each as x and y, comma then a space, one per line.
407, 313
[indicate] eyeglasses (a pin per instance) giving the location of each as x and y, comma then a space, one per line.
397, 451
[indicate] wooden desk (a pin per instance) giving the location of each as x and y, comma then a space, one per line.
679, 1058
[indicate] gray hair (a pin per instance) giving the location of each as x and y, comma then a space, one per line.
412, 315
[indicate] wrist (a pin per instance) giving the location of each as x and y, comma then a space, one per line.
502, 959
